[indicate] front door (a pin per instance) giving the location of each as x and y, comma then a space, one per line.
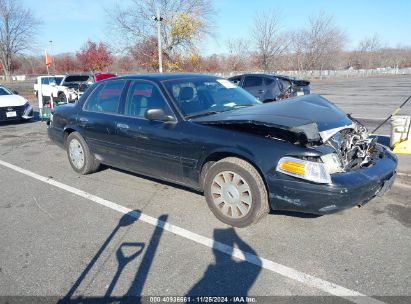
146, 146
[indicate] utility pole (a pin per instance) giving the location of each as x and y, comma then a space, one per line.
158, 19
54, 59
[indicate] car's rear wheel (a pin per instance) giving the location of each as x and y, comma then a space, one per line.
81, 159
235, 192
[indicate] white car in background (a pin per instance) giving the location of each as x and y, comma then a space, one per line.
48, 83
14, 106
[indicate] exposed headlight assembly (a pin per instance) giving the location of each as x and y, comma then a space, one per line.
332, 162
313, 171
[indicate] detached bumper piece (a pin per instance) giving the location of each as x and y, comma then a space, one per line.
348, 189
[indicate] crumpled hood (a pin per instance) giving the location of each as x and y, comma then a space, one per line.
309, 114
12, 101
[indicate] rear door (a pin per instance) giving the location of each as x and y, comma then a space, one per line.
146, 146
99, 117
273, 90
254, 85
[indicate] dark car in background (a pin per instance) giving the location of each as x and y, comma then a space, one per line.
269, 88
203, 132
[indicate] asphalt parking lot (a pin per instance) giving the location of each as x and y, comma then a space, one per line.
114, 233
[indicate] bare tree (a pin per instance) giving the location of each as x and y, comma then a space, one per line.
367, 55
17, 28
184, 23
317, 46
238, 51
269, 38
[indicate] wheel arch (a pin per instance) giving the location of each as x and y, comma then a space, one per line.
68, 130
219, 155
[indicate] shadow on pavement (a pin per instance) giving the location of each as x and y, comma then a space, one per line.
227, 277
123, 257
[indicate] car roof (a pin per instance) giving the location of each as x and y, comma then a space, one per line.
266, 75
48, 76
164, 76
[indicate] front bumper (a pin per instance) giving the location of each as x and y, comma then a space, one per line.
19, 112
348, 189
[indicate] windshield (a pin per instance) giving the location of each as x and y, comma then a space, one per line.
5, 91
58, 80
207, 95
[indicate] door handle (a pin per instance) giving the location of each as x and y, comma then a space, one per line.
260, 91
83, 119
122, 126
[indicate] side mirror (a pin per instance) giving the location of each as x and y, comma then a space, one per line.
158, 114
15, 93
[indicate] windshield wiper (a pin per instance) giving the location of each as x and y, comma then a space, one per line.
244, 105
201, 114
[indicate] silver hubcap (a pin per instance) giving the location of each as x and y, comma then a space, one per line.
76, 153
231, 194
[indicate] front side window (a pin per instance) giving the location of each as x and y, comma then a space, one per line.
236, 80
198, 96
252, 81
106, 97
142, 96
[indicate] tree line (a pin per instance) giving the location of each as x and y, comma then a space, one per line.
185, 25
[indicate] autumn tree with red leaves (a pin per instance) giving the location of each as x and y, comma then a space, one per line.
145, 53
66, 64
94, 57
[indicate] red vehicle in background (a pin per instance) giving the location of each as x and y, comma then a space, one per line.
102, 76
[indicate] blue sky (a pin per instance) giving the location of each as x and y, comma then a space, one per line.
69, 23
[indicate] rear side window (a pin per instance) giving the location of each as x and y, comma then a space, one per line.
45, 80
285, 84
269, 81
106, 97
252, 81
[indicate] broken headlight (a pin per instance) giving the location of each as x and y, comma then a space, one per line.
313, 171
332, 163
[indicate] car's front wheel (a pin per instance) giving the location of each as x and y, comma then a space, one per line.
81, 159
235, 192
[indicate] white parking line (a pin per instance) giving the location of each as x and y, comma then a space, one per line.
369, 118
283, 270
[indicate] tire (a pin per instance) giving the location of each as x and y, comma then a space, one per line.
235, 192
62, 97
81, 159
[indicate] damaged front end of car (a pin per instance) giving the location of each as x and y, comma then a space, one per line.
347, 148
328, 162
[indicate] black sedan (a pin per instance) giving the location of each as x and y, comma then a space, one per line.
267, 87
203, 132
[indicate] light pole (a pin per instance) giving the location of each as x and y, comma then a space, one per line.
53, 58
158, 19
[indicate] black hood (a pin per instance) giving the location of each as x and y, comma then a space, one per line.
309, 114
